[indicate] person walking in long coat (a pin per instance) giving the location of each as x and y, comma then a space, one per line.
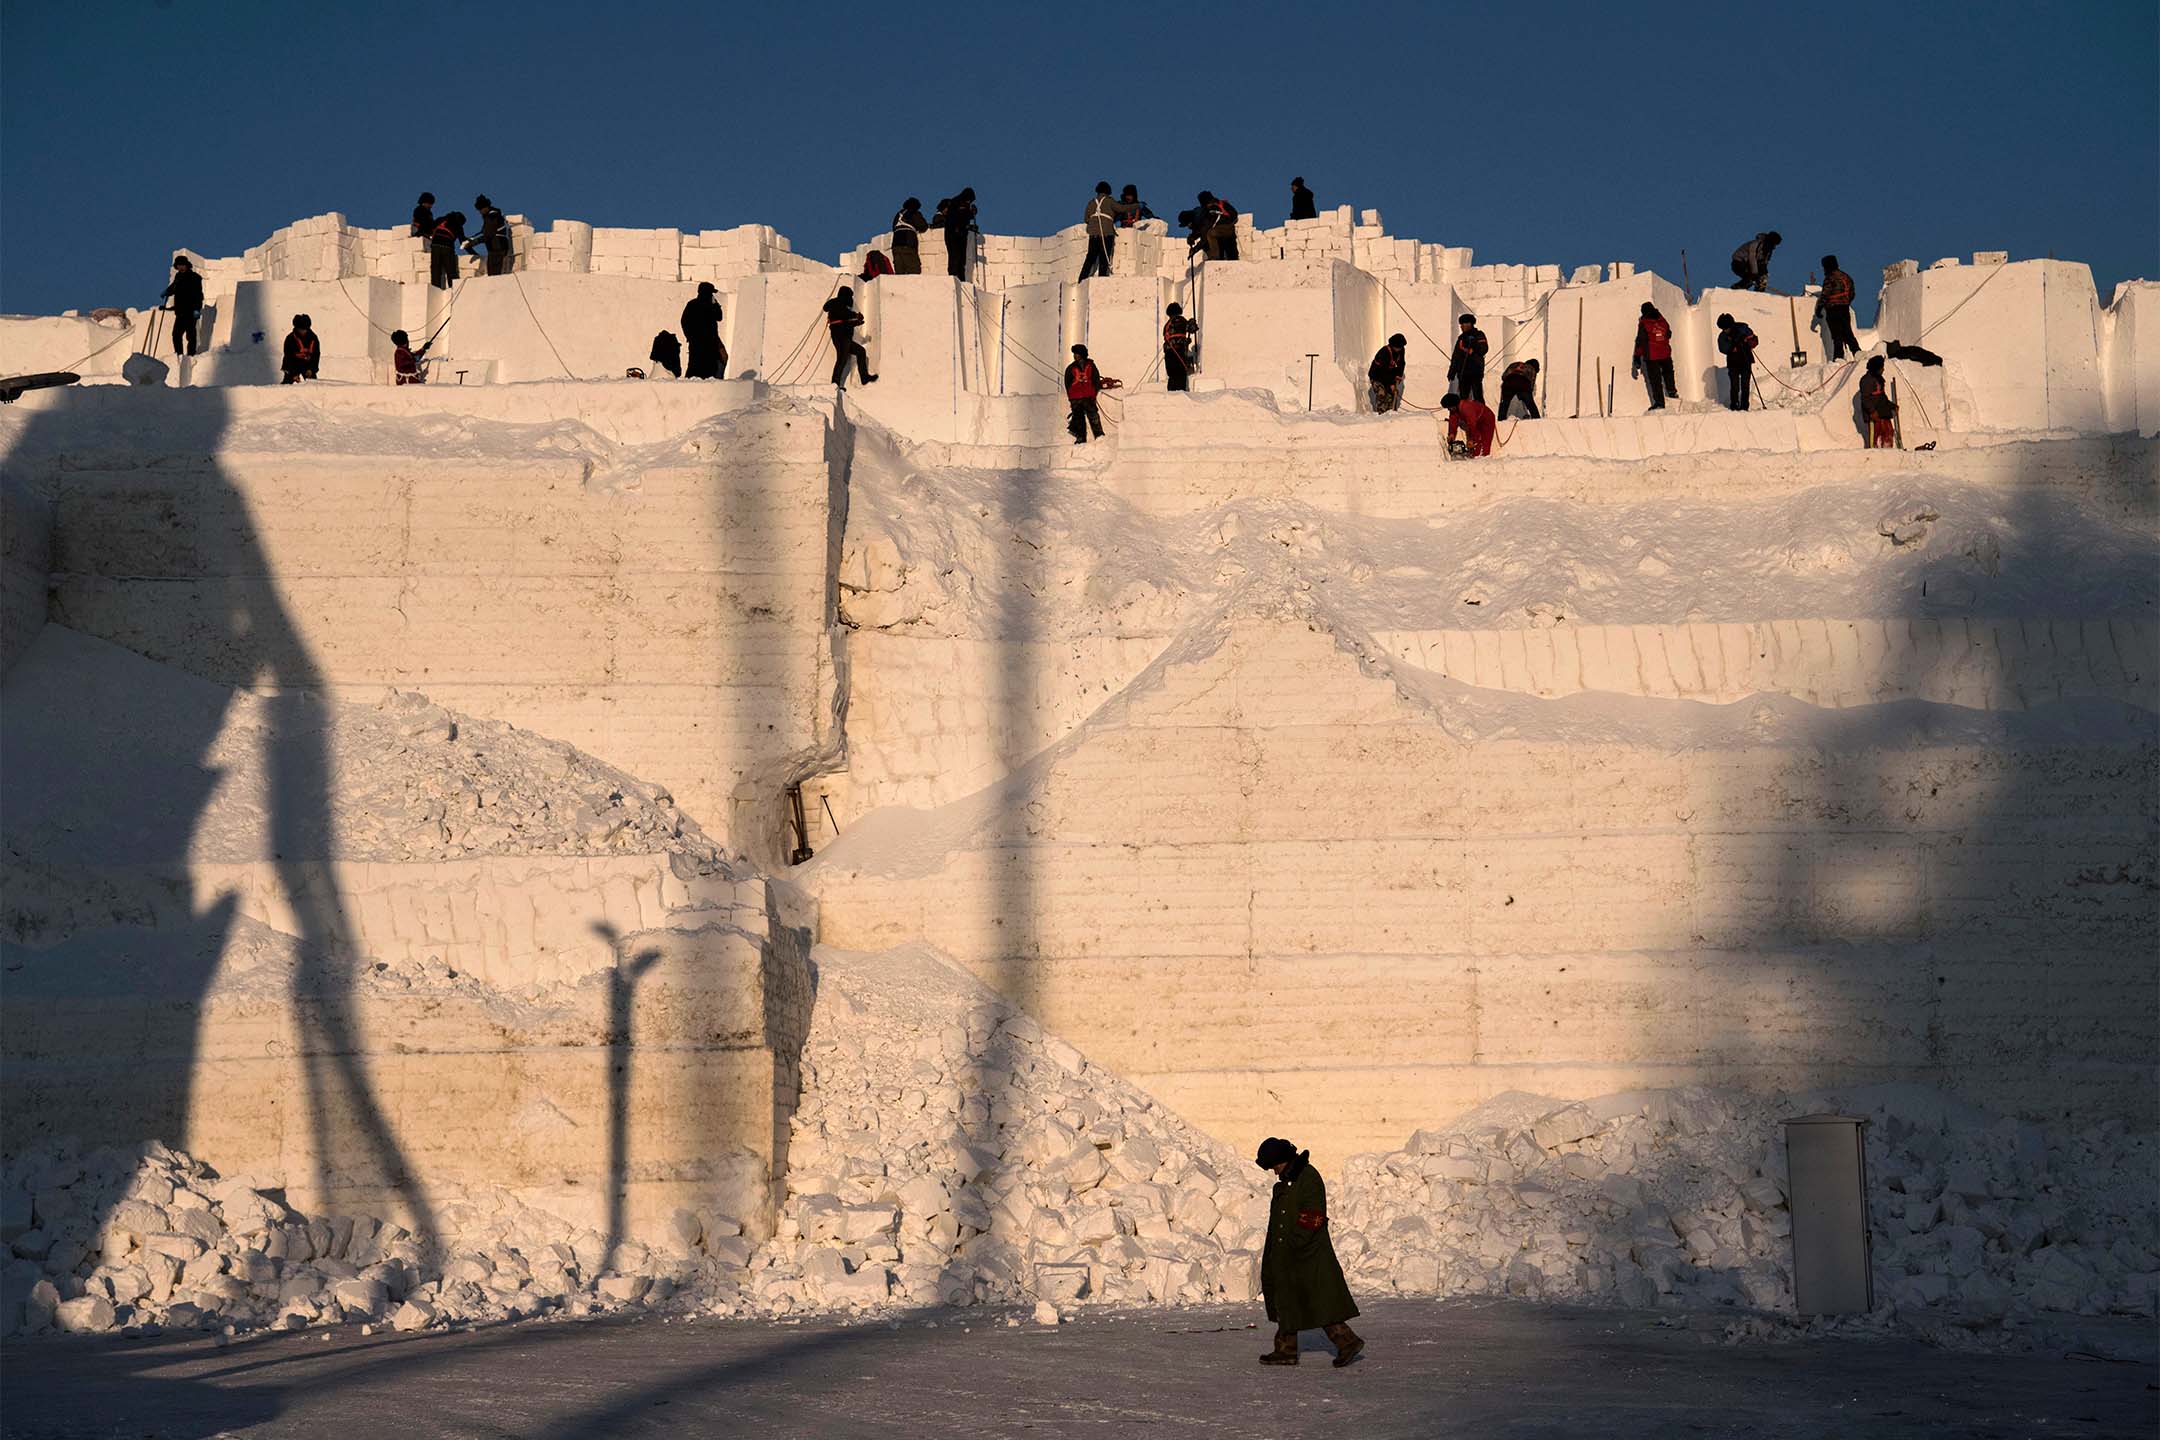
1299, 1274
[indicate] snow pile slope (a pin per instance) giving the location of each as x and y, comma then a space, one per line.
1679, 1197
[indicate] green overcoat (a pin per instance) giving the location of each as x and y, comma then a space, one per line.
1299, 1275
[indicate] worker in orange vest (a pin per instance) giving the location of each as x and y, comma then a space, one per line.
303, 351
1833, 310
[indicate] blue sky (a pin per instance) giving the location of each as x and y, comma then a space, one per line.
1555, 132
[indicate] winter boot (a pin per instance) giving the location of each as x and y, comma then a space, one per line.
1285, 1351
1346, 1342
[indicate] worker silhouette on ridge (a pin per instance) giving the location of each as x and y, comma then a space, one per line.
1476, 419
443, 242
1466, 366
1302, 204
1301, 1281
1101, 219
1083, 382
956, 217
1751, 262
1386, 374
841, 318
303, 352
1218, 227
1833, 311
701, 319
1131, 208
186, 295
1736, 342
1178, 334
423, 215
1518, 385
908, 227
494, 236
1653, 356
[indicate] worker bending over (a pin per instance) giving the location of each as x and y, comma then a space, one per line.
1178, 334
1653, 356
1518, 385
1751, 262
1475, 418
1466, 366
1833, 311
1386, 375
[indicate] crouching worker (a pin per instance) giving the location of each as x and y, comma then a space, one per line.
1299, 1275
1878, 408
1518, 385
1386, 375
1083, 382
405, 362
1476, 420
303, 352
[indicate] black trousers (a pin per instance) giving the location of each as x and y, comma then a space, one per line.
1658, 375
906, 260
498, 262
1086, 414
956, 255
1514, 397
843, 351
1176, 368
442, 266
706, 362
1468, 383
1100, 249
1740, 374
1837, 328
183, 329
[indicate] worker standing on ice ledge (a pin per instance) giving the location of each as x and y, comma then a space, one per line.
1476, 419
1386, 375
303, 352
1751, 262
1518, 383
841, 318
1218, 220
1466, 367
1736, 342
443, 242
1178, 334
1877, 408
1302, 204
701, 319
1101, 218
1083, 382
494, 235
1833, 310
1131, 209
959, 223
423, 215
1300, 1278
1653, 356
185, 292
908, 228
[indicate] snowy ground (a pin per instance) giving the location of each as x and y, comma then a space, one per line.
1484, 1368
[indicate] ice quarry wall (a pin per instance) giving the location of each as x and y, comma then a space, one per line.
1311, 780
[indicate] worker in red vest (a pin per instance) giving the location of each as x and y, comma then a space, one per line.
1833, 310
1083, 382
1476, 419
303, 351
1653, 356
1518, 384
1178, 334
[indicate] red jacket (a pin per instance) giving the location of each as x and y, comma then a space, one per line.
1653, 338
1476, 419
1837, 288
1082, 380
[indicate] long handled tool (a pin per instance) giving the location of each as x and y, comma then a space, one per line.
1799, 356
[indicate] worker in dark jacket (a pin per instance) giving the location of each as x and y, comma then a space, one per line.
1833, 310
1302, 204
407, 365
666, 353
1299, 1275
1101, 219
1386, 374
1877, 408
1751, 262
1474, 418
1218, 220
908, 227
701, 319
841, 318
1178, 334
1131, 208
494, 237
443, 242
958, 224
1736, 342
185, 292
1466, 366
1653, 356
1518, 385
1083, 382
303, 352
423, 215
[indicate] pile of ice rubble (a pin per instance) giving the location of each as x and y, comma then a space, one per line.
947, 1151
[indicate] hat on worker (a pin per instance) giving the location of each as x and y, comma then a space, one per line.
1274, 1151
1397, 339
706, 287
1081, 351
1173, 308
1723, 321
1468, 318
